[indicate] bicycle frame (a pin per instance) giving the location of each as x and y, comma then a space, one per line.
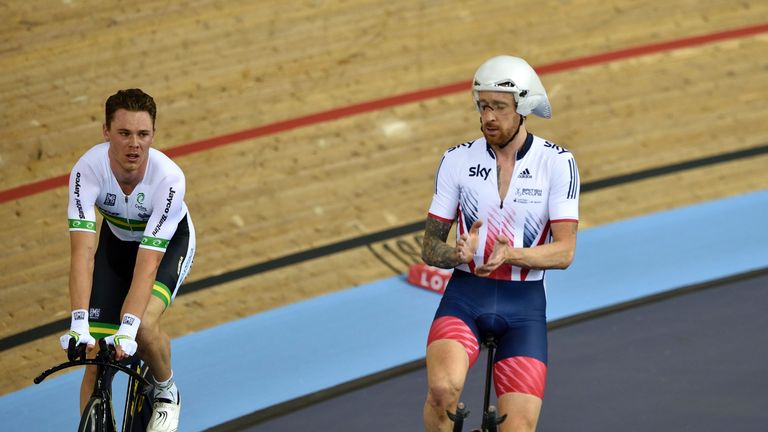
490, 420
138, 407
107, 367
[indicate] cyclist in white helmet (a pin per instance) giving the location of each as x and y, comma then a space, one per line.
514, 197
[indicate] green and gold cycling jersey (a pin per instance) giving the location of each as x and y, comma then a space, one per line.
149, 215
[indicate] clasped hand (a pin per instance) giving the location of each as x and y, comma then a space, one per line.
467, 245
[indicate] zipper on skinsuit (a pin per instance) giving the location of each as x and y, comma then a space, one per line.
127, 219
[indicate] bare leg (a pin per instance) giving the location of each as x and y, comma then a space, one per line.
155, 349
154, 343
447, 366
86, 387
522, 412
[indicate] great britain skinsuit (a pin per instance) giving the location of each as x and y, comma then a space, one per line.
511, 302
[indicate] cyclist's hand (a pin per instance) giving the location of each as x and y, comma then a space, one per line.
124, 340
124, 345
467, 243
497, 258
79, 331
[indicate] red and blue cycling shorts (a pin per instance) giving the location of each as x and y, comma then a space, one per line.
513, 312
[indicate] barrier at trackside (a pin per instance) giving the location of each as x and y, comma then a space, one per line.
430, 278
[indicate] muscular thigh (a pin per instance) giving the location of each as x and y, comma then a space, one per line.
527, 339
521, 357
175, 264
455, 317
520, 364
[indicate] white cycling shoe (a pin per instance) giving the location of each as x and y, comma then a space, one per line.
165, 416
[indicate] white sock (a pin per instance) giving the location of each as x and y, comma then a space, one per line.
166, 389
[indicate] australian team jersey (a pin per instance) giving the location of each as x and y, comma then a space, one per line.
544, 188
149, 215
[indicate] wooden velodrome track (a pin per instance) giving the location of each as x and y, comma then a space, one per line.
219, 68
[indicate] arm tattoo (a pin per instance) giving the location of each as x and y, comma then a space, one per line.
435, 251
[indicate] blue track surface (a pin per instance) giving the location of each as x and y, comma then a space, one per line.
302, 348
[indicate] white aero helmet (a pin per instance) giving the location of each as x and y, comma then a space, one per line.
513, 75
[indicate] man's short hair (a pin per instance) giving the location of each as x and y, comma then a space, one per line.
131, 100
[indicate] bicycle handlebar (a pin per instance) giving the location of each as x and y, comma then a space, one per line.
105, 358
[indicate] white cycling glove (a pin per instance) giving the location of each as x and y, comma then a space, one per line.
125, 337
78, 330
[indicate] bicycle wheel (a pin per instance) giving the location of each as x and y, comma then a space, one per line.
94, 417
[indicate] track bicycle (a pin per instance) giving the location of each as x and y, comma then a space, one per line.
98, 415
490, 421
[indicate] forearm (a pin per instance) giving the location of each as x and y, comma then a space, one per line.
439, 254
435, 251
144, 274
558, 255
80, 280
80, 270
